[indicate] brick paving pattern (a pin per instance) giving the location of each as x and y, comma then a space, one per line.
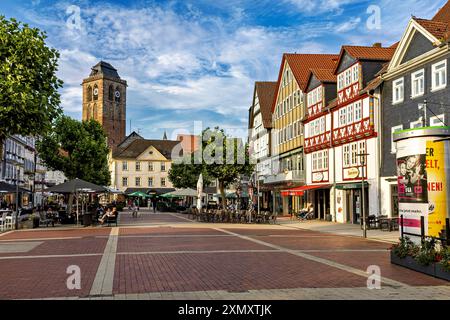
163, 256
37, 278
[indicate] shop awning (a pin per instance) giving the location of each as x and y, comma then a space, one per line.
351, 186
300, 191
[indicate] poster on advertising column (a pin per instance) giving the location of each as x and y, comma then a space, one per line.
412, 179
423, 178
437, 169
412, 183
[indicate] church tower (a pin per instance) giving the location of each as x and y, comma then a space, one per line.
104, 99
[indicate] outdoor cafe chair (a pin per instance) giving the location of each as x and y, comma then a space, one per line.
43, 220
3, 221
10, 220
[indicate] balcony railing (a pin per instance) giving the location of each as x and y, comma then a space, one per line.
294, 176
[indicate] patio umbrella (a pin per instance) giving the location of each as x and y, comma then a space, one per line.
76, 185
170, 196
112, 190
199, 192
184, 193
9, 188
138, 194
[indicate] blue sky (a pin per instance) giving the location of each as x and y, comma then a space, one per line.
189, 61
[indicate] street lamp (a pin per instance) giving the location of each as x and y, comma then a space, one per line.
363, 205
423, 106
16, 224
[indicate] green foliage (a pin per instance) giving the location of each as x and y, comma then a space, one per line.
217, 162
227, 172
404, 248
29, 99
185, 175
78, 149
426, 253
444, 256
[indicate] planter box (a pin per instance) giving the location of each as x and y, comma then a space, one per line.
441, 273
434, 269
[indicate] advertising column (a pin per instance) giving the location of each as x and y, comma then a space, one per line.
437, 164
422, 177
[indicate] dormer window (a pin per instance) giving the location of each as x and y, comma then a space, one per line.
348, 77
355, 73
341, 81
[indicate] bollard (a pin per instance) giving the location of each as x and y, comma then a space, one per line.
422, 228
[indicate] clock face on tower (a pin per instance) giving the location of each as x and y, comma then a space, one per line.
95, 92
117, 94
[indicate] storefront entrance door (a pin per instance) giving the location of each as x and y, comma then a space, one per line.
357, 206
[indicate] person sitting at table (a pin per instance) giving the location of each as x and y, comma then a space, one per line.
107, 214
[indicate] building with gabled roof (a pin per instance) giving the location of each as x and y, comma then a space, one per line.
260, 127
417, 76
287, 129
139, 164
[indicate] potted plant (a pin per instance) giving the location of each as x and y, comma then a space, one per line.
424, 258
402, 250
443, 264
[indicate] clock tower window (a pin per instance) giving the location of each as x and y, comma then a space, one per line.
117, 95
95, 92
89, 93
111, 93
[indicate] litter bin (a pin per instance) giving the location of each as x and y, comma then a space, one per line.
87, 219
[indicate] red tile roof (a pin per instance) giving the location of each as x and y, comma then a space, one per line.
370, 53
300, 65
436, 28
324, 75
367, 53
266, 93
443, 14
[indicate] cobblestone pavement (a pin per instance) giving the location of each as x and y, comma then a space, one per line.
167, 256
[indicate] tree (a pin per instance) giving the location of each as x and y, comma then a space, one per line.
221, 157
78, 149
29, 98
185, 174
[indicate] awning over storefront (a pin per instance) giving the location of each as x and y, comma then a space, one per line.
300, 191
350, 186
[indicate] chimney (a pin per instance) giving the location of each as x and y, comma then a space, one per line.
377, 45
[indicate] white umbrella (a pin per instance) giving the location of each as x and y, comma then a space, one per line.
184, 193
199, 192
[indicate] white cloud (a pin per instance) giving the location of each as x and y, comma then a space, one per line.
316, 7
349, 25
193, 61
